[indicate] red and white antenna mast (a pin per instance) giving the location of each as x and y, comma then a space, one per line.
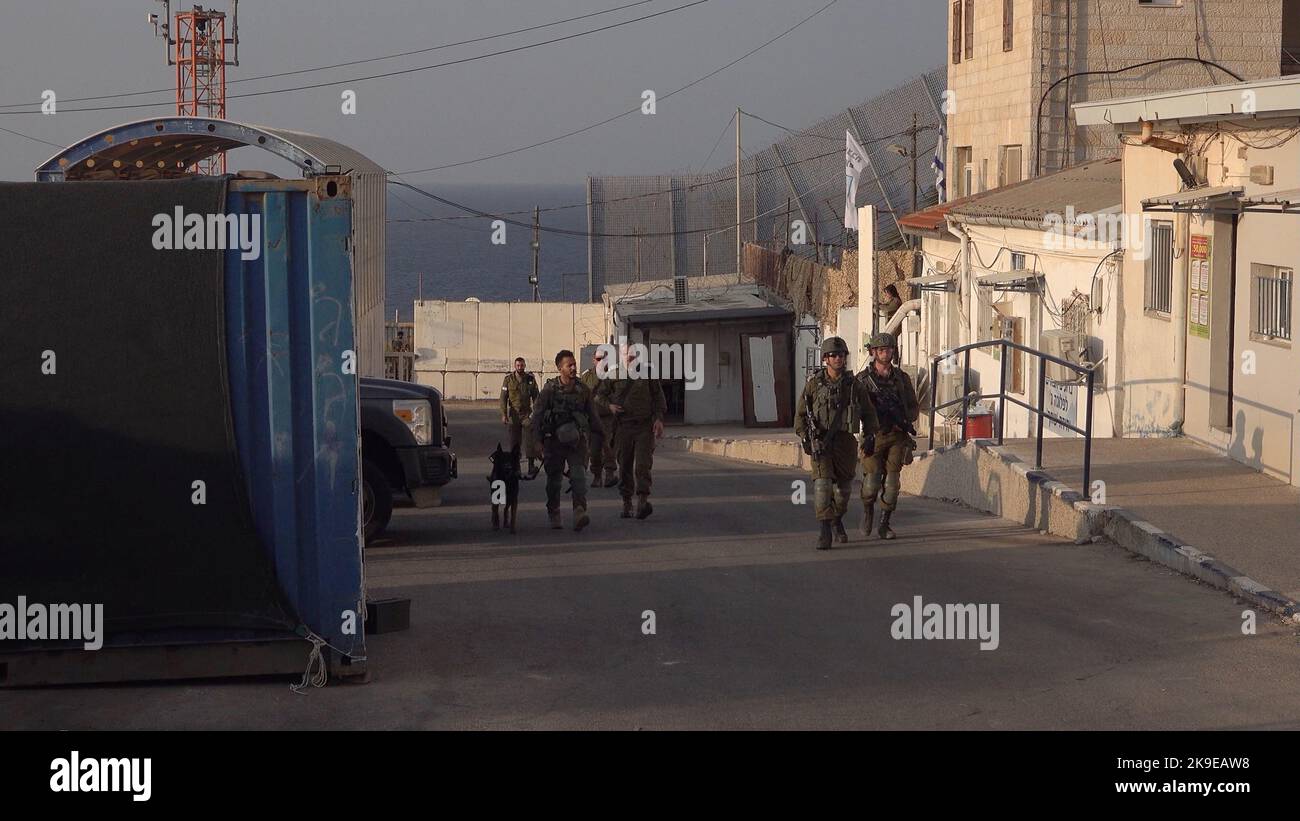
196, 45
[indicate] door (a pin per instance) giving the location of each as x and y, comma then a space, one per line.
765, 380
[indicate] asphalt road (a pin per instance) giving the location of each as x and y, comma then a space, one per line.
753, 627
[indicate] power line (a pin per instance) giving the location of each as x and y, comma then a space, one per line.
575, 233
398, 72
351, 62
629, 112
34, 139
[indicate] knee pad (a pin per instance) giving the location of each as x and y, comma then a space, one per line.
892, 482
823, 494
870, 487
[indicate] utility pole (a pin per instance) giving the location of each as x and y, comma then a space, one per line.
739, 267
637, 231
537, 248
787, 223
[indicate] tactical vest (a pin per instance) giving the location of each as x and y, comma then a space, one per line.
825, 396
567, 405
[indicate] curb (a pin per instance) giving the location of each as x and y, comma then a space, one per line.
1049, 506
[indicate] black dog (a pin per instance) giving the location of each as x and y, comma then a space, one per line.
505, 469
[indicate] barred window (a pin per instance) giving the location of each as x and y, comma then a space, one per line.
1270, 299
1160, 267
956, 32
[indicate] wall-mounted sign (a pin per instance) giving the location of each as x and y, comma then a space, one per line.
1062, 403
1198, 287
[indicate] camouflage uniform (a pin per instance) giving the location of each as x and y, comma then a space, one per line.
517, 397
893, 445
557, 405
643, 404
833, 473
601, 445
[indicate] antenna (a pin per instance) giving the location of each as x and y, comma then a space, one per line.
196, 44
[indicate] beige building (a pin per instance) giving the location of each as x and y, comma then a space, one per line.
1004, 57
1208, 298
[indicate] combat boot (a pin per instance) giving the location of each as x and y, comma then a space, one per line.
886, 532
643, 506
840, 535
627, 509
868, 519
611, 478
824, 541
554, 515
580, 518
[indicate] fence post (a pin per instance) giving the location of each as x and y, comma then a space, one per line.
934, 397
1087, 442
1042, 388
1002, 393
965, 389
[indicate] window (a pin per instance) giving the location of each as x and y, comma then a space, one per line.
962, 162
1017, 261
1008, 19
984, 175
956, 32
1270, 301
1159, 3
1010, 164
1160, 267
970, 29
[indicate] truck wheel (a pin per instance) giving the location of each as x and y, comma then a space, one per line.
376, 500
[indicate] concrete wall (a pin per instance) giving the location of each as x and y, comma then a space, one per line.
997, 92
465, 349
1258, 427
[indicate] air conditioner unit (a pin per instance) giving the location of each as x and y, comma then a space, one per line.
1063, 344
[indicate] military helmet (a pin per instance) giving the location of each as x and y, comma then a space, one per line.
833, 344
883, 340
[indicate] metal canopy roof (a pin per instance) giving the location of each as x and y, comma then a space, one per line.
1221, 197
165, 147
933, 282
1274, 97
750, 303
1010, 280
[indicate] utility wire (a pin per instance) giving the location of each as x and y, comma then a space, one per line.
350, 62
625, 113
33, 139
398, 72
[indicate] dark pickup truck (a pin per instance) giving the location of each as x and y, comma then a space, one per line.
404, 448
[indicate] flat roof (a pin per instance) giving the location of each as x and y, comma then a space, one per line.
1276, 97
1089, 188
734, 303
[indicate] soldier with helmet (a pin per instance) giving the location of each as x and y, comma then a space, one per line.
832, 408
894, 401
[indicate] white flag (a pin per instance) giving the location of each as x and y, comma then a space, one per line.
940, 166
855, 159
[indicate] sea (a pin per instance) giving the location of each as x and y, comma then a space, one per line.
437, 251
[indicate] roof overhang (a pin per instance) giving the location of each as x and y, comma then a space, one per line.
1271, 98
678, 317
167, 147
1222, 199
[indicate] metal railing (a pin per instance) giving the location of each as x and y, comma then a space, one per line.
1273, 303
1087, 373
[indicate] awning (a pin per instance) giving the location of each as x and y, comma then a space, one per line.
932, 282
1208, 200
1021, 280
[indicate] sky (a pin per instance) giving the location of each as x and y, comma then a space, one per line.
847, 54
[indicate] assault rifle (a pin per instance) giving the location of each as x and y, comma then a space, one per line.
814, 445
889, 408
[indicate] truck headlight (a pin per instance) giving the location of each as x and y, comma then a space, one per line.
417, 415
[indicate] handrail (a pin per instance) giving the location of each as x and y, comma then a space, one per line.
1088, 372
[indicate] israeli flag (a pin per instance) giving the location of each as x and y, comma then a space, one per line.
855, 160
940, 167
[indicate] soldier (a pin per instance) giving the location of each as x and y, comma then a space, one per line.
883, 457
563, 416
638, 406
518, 392
832, 408
602, 446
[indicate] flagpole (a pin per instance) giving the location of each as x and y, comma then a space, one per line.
738, 243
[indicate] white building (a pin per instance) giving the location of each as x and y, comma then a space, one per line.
1035, 263
1207, 308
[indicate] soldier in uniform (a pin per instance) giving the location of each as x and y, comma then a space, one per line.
602, 446
638, 406
518, 392
563, 417
838, 409
894, 399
